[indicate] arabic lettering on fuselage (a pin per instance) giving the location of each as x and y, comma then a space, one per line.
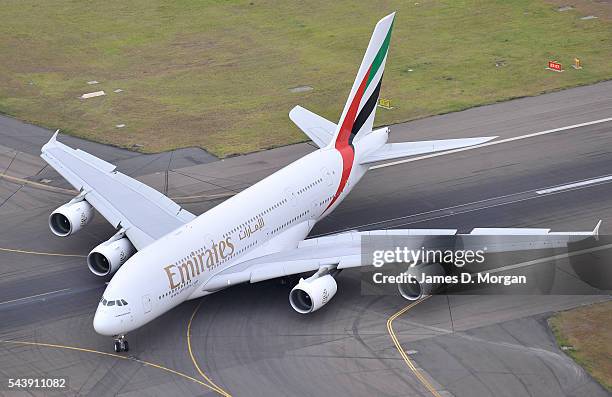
249, 228
208, 258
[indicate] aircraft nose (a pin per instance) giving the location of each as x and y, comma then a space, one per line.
104, 323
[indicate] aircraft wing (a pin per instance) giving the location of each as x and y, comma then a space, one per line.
344, 251
319, 129
142, 211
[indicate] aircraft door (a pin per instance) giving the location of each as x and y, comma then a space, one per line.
327, 176
147, 303
315, 209
290, 195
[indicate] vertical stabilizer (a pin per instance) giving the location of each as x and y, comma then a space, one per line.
358, 114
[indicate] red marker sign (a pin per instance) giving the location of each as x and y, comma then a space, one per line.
554, 65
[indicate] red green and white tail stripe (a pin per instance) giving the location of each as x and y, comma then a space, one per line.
358, 115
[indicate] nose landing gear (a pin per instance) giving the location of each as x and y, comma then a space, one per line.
121, 344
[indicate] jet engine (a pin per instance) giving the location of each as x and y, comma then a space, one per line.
70, 218
108, 257
312, 293
414, 289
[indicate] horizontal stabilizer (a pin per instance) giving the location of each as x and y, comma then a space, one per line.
319, 129
390, 151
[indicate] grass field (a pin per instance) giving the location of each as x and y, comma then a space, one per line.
218, 74
585, 334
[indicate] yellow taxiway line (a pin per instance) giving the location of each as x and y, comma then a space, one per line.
213, 386
22, 181
129, 358
409, 362
40, 253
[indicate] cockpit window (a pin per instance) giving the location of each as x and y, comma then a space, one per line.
118, 302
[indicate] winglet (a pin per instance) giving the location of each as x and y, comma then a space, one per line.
54, 137
50, 143
596, 230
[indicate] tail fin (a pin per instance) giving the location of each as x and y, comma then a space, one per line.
358, 114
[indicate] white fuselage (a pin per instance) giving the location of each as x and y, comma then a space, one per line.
272, 215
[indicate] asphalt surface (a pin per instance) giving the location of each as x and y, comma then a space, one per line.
247, 339
27, 139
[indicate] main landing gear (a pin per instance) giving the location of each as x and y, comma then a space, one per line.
121, 344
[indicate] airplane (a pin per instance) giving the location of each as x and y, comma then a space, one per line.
163, 255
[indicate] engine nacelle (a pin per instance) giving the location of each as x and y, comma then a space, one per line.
70, 218
313, 293
414, 289
108, 257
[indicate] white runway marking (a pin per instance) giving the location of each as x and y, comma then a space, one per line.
34, 296
516, 138
575, 185
469, 207
547, 259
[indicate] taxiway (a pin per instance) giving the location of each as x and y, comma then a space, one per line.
247, 340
